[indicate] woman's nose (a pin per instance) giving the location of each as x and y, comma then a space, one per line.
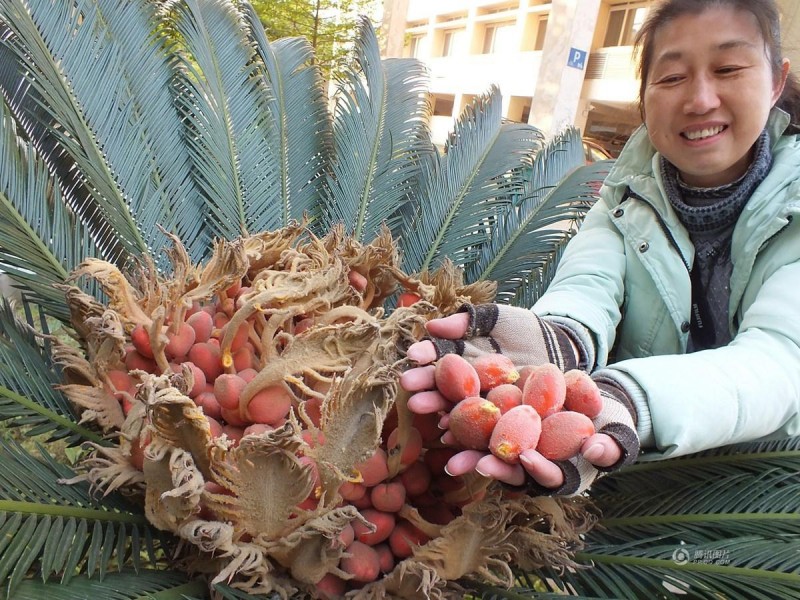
701, 96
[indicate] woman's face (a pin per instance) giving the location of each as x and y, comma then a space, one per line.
709, 92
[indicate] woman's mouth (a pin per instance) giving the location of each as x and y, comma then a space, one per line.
701, 134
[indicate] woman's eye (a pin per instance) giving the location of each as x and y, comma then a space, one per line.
669, 79
728, 70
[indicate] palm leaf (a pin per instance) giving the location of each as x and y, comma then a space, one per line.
228, 593
149, 153
225, 592
301, 136
723, 523
28, 378
468, 186
578, 191
75, 98
574, 195
62, 529
40, 239
532, 231
225, 101
125, 585
379, 133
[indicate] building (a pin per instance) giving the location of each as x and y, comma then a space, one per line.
557, 63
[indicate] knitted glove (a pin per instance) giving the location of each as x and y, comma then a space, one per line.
617, 419
518, 333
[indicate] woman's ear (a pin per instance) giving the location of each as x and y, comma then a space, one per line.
780, 83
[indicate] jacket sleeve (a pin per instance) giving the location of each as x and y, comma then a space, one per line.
748, 390
588, 286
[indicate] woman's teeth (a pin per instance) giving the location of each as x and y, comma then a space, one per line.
703, 133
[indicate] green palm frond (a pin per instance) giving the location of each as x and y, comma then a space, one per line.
469, 185
41, 241
225, 592
127, 585
63, 529
532, 231
720, 524
640, 569
379, 131
302, 135
228, 593
149, 154
74, 96
669, 498
28, 378
574, 195
225, 101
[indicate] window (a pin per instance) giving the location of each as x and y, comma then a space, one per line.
443, 105
499, 38
415, 46
624, 23
454, 42
541, 32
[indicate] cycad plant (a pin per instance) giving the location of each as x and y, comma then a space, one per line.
156, 158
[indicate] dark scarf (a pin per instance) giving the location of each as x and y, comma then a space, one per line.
709, 215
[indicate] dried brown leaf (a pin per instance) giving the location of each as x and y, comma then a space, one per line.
96, 404
173, 485
266, 480
313, 550
109, 469
123, 298
176, 419
264, 250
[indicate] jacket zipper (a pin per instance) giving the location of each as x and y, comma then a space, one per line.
661, 223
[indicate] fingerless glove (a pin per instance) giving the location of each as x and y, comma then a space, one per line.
518, 333
617, 419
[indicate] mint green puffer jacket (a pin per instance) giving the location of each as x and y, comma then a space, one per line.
625, 277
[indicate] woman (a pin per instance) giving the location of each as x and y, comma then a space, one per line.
678, 293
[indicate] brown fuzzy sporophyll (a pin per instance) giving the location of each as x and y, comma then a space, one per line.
257, 414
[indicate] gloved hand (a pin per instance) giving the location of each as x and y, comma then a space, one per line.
493, 328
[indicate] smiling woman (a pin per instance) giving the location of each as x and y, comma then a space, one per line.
695, 110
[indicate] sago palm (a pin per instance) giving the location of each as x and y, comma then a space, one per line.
148, 147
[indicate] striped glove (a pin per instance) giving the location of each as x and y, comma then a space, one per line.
617, 419
517, 333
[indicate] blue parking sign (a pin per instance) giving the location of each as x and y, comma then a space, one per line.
577, 59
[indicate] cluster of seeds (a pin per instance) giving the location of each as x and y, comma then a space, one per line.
222, 356
402, 492
506, 411
256, 405
404, 497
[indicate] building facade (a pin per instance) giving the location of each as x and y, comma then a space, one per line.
557, 63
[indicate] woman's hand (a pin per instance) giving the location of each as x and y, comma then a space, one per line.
601, 450
459, 332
